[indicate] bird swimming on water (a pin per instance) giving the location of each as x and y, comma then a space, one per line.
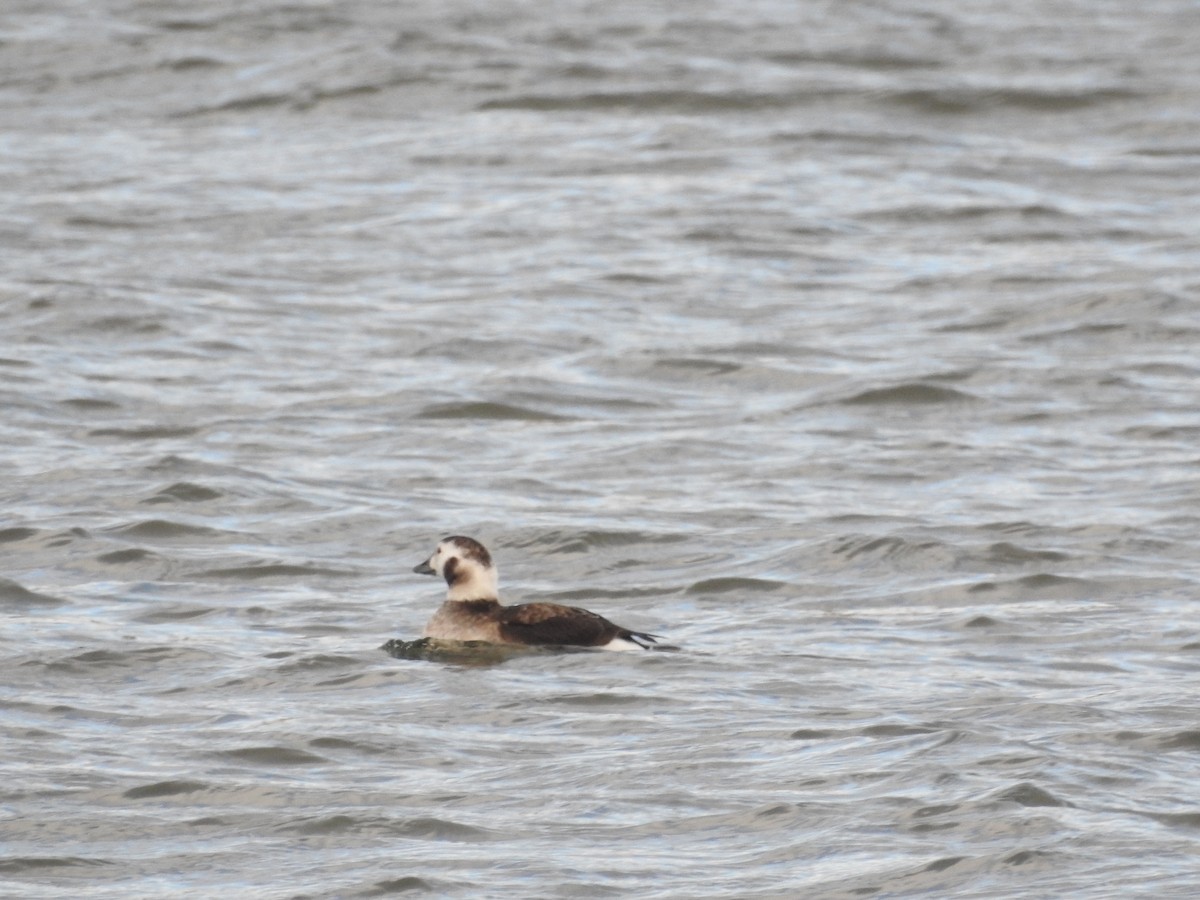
472, 611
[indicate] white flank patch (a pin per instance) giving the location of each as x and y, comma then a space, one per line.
619, 643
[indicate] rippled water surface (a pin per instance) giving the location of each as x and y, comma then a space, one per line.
851, 347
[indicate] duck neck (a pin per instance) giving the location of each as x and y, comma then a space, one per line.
480, 586
473, 607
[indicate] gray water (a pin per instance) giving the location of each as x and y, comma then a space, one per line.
852, 347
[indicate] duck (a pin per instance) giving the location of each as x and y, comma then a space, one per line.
472, 610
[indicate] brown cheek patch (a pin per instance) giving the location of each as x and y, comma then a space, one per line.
449, 569
472, 549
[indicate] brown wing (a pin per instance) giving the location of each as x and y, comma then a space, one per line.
550, 623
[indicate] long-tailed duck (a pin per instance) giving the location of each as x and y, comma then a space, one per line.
473, 613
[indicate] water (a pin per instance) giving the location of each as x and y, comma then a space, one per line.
852, 347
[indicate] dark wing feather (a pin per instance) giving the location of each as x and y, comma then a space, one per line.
550, 623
